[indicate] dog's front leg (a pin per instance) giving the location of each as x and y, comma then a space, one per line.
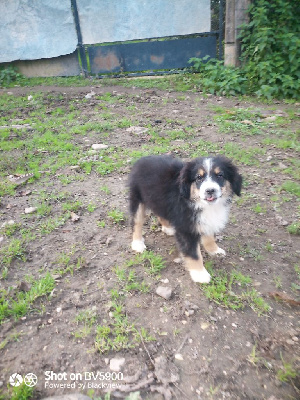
190, 249
137, 243
196, 268
210, 245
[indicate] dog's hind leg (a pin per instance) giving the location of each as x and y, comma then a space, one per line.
166, 227
137, 243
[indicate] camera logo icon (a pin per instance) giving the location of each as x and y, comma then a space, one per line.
16, 380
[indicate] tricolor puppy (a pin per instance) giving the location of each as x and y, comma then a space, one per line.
191, 200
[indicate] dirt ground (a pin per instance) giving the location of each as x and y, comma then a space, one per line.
201, 349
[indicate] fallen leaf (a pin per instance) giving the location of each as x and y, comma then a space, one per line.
24, 287
284, 297
137, 130
204, 325
247, 122
19, 179
23, 193
74, 217
30, 210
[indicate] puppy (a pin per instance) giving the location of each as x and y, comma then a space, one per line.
191, 200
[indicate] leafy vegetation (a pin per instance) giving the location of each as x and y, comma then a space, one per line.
270, 55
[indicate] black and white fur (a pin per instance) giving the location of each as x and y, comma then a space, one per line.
191, 200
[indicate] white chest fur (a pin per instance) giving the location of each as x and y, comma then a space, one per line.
213, 217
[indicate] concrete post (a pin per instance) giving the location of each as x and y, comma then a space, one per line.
236, 15
229, 49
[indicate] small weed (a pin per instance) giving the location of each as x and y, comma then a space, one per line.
269, 247
256, 302
9, 229
259, 209
44, 210
91, 207
8, 75
13, 250
224, 289
105, 189
294, 228
291, 187
116, 215
287, 373
277, 281
120, 333
101, 224
74, 206
12, 337
153, 263
19, 305
87, 317
256, 360
52, 223
22, 392
64, 264
130, 280
82, 332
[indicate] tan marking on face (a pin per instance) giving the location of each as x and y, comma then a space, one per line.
195, 192
201, 172
209, 244
217, 170
226, 189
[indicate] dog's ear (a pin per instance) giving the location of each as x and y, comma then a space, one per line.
236, 184
233, 176
184, 181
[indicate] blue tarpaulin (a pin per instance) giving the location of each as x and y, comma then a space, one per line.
120, 20
36, 29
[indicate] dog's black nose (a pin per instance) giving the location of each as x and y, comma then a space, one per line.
210, 192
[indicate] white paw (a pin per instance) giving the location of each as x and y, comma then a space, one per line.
168, 230
201, 276
219, 252
138, 245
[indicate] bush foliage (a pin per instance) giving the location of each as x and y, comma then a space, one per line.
270, 55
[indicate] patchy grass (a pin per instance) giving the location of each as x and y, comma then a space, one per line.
224, 290
19, 305
153, 263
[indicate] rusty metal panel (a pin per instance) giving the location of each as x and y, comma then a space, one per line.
57, 66
154, 55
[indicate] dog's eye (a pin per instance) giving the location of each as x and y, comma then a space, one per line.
220, 175
199, 178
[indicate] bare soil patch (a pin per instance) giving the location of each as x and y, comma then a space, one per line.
221, 352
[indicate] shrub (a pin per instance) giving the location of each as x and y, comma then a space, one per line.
271, 48
270, 55
7, 75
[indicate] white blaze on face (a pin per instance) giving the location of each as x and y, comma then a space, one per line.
208, 183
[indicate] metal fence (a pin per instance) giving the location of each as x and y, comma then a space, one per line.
96, 37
